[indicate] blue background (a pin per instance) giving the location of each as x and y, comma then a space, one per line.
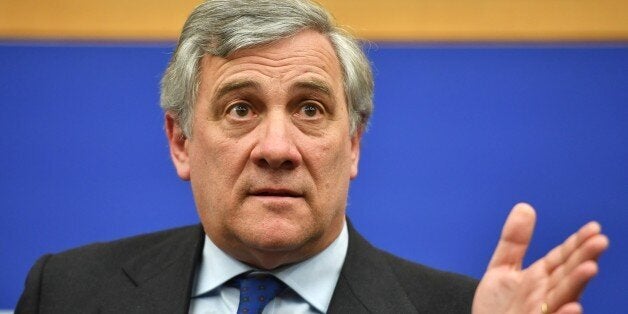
459, 135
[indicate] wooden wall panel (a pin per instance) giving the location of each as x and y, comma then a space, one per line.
87, 19
484, 19
396, 20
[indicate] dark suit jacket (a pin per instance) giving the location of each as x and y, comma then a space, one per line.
154, 273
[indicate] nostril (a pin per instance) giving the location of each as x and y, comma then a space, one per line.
287, 165
261, 162
286, 160
284, 164
276, 150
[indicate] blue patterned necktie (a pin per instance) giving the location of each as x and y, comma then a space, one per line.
256, 291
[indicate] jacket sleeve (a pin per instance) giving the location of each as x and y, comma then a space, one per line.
29, 301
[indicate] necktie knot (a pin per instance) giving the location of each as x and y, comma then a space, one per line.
256, 291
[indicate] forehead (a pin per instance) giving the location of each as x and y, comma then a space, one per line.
306, 55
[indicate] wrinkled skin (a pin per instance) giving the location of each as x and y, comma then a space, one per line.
271, 153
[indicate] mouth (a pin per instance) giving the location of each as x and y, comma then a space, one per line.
275, 193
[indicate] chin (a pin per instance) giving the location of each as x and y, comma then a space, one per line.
270, 250
280, 236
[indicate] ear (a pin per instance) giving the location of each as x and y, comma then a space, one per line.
356, 138
178, 146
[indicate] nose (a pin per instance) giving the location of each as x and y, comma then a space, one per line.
276, 148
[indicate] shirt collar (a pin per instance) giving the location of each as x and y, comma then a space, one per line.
313, 279
217, 267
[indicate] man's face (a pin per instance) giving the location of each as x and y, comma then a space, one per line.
271, 155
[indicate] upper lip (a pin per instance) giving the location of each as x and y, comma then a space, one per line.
275, 192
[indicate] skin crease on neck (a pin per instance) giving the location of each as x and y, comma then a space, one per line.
271, 154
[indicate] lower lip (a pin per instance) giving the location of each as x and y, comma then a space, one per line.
276, 203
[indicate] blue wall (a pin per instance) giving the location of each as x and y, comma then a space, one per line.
460, 134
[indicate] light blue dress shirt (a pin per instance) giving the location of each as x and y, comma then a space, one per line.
311, 282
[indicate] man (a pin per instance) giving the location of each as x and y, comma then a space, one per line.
265, 104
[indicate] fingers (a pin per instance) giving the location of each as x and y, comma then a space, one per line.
515, 237
559, 255
572, 264
570, 308
568, 290
591, 245
560, 277
585, 245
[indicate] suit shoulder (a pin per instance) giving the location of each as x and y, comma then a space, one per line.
126, 245
427, 290
451, 290
77, 280
104, 256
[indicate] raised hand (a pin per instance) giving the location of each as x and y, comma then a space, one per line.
552, 284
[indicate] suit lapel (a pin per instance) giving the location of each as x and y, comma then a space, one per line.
162, 275
366, 282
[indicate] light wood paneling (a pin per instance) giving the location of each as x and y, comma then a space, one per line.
88, 19
396, 20
484, 19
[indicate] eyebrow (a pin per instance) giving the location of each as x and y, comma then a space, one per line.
317, 85
235, 85
312, 84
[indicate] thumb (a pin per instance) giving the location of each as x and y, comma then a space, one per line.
515, 237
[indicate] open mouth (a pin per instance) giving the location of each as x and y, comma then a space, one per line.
275, 193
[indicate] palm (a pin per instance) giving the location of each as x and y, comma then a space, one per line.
557, 279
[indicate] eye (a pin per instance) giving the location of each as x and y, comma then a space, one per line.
310, 111
240, 111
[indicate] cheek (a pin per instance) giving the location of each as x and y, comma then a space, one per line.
330, 165
216, 165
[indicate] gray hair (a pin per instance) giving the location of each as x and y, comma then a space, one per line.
221, 27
